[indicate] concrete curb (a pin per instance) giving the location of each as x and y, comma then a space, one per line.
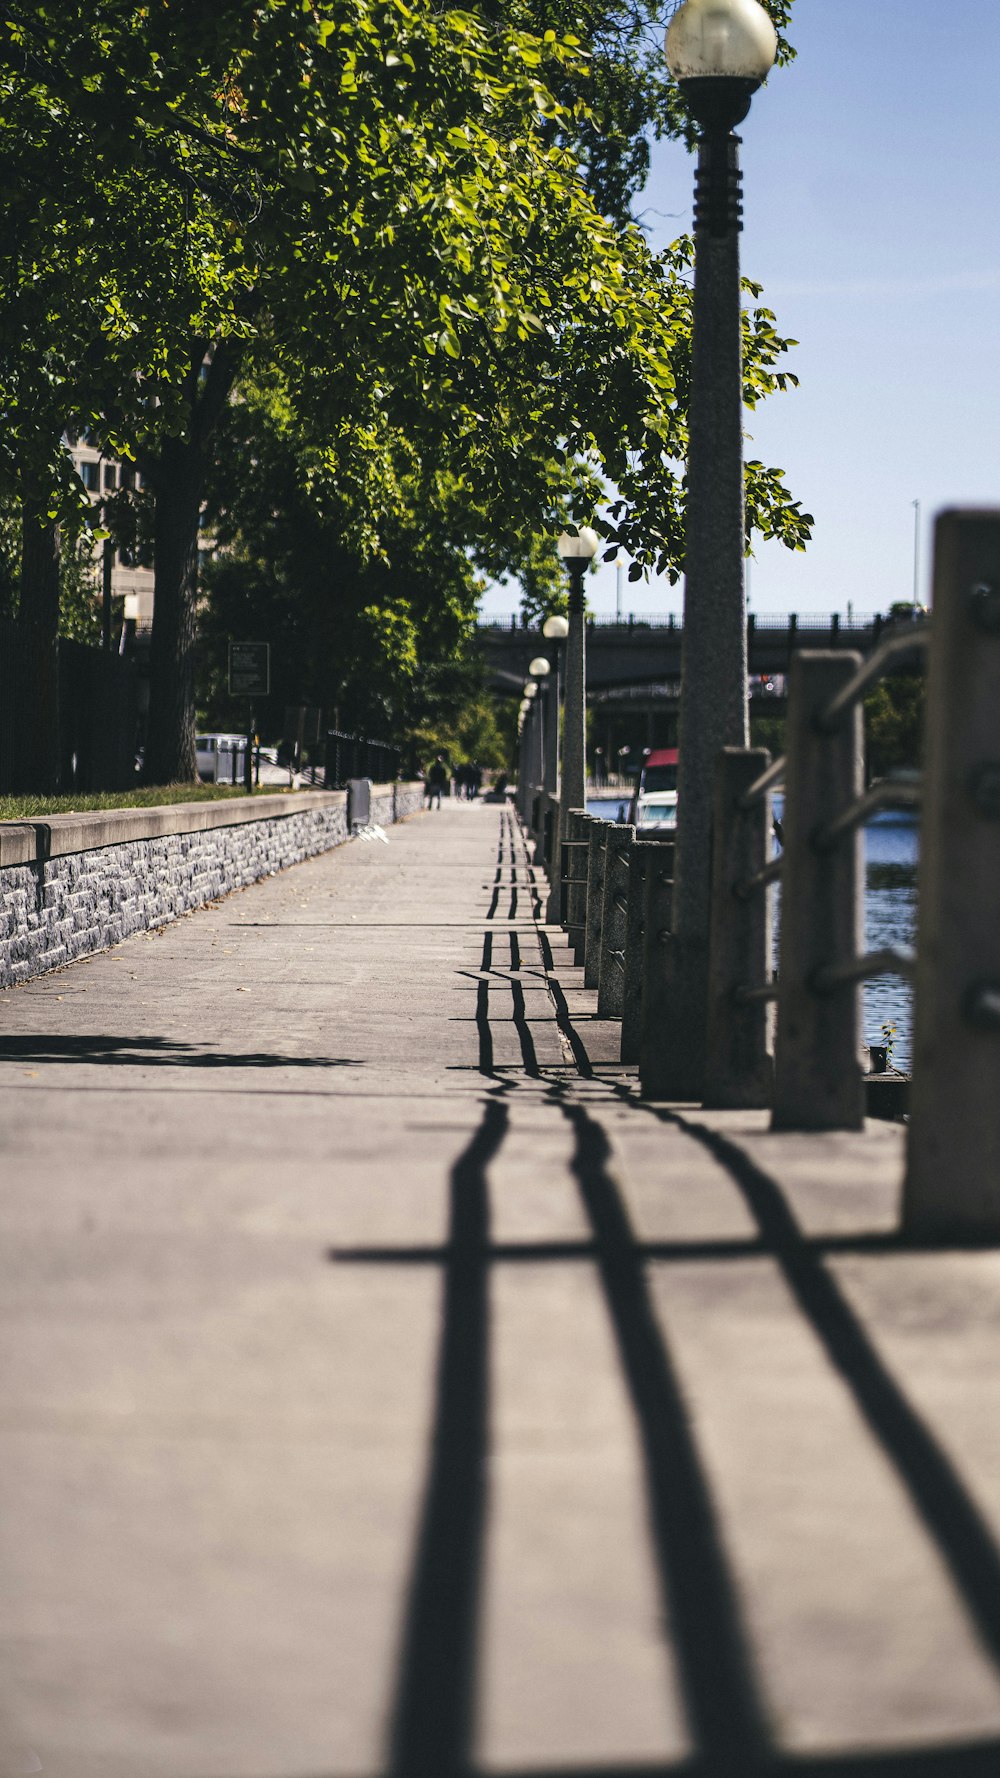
59, 835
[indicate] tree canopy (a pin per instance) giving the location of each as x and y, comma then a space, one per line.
416, 218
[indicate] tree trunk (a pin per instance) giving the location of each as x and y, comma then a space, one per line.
38, 691
39, 603
177, 474
178, 478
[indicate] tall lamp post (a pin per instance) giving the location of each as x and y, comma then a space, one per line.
555, 629
577, 552
719, 51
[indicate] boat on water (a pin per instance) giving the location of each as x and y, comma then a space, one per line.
653, 808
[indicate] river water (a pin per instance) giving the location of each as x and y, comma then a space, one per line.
891, 851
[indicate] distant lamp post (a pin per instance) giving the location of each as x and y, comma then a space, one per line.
719, 51
577, 551
555, 629
539, 669
527, 750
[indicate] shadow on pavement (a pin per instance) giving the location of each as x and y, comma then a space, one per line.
131, 1052
973, 1759
939, 1496
435, 1694
433, 1715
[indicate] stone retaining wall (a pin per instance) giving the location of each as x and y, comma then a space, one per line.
75, 884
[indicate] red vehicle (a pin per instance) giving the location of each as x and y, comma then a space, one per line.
654, 800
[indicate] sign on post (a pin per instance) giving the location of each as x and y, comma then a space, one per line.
249, 669
249, 677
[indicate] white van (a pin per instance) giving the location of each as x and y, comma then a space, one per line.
220, 758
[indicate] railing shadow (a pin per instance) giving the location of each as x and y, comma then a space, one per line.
935, 1488
432, 1719
152, 1052
432, 1716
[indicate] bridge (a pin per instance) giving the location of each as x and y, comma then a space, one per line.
647, 650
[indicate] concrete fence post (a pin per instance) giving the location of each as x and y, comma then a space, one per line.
818, 1081
611, 975
576, 869
739, 1065
641, 859
567, 833
657, 917
538, 827
953, 1163
555, 911
595, 902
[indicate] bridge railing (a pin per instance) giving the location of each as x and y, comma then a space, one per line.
835, 621
793, 1040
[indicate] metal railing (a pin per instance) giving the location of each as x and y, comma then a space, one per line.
68, 714
616, 847
355, 756
816, 1079
613, 898
792, 1040
952, 1188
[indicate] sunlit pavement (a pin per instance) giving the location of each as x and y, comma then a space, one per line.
385, 1390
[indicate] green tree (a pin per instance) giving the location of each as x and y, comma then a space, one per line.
392, 201
894, 724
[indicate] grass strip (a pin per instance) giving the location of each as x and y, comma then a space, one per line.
31, 808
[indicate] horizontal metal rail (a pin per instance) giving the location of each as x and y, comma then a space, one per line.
891, 960
871, 668
886, 795
753, 995
767, 780
761, 879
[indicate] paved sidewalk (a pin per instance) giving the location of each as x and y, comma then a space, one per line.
386, 1391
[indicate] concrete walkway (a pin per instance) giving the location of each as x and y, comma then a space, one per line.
386, 1391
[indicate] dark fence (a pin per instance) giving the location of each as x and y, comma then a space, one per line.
354, 756
68, 715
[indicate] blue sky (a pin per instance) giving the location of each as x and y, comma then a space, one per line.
872, 203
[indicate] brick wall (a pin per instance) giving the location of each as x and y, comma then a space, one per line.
78, 884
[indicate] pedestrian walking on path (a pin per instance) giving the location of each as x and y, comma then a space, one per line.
437, 780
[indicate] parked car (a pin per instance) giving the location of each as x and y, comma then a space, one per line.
654, 799
220, 758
